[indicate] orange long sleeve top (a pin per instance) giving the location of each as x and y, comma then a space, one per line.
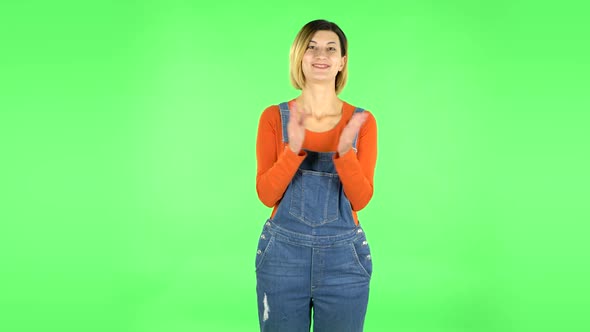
277, 164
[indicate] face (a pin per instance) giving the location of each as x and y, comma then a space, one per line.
322, 60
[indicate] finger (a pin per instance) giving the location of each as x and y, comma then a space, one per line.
357, 121
300, 115
295, 114
292, 117
360, 120
360, 117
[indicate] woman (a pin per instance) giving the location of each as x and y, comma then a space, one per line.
316, 156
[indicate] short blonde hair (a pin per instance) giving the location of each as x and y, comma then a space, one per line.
300, 46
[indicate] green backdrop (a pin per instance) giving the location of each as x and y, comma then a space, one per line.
127, 161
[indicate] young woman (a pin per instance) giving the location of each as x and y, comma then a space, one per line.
316, 157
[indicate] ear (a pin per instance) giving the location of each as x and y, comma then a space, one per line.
343, 63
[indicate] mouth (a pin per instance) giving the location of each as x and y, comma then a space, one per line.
320, 66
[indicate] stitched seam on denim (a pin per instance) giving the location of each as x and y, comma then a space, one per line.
288, 240
358, 261
318, 173
317, 240
294, 206
349, 210
311, 243
284, 110
264, 253
327, 200
300, 215
327, 156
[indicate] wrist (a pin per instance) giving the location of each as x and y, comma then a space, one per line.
343, 152
295, 150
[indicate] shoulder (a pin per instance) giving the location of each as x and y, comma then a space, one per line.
270, 119
270, 112
369, 127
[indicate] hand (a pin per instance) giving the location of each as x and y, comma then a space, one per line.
350, 131
296, 128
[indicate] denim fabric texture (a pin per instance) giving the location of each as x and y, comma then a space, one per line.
313, 263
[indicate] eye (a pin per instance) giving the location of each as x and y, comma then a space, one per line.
310, 47
332, 49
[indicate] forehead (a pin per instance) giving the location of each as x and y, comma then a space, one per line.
325, 36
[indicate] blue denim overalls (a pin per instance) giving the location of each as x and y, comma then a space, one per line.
311, 254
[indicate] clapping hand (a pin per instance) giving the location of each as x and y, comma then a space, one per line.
296, 128
350, 131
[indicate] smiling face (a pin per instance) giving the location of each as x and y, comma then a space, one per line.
319, 54
322, 59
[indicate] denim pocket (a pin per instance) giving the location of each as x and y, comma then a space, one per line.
362, 254
264, 244
315, 197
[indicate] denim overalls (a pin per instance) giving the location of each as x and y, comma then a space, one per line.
312, 254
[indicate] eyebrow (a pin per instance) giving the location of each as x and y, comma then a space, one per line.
313, 41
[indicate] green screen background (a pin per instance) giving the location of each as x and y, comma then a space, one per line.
127, 174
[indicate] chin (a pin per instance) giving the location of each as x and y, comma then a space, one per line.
320, 78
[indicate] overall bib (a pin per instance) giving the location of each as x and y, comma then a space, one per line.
311, 254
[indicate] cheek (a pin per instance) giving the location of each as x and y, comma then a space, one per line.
307, 61
307, 57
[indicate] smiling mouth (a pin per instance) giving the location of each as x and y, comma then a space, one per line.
320, 66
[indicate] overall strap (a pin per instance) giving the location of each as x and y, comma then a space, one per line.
284, 108
356, 110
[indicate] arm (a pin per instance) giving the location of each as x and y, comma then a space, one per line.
356, 170
276, 163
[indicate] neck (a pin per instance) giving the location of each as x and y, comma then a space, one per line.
320, 100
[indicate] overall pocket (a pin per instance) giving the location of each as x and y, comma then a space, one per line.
315, 197
362, 254
265, 242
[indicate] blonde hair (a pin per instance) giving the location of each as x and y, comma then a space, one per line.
300, 46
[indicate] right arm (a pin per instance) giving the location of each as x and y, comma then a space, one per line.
276, 162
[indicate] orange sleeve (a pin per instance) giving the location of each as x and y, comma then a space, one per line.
276, 163
356, 170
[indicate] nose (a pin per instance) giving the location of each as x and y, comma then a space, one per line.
320, 52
